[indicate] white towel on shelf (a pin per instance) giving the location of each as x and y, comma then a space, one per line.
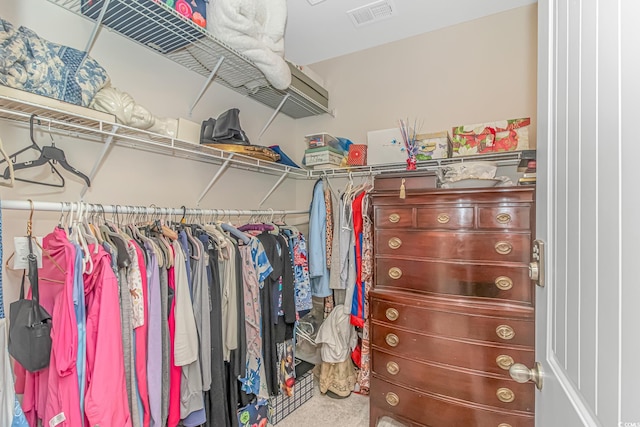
254, 28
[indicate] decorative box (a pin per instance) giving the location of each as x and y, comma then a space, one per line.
357, 155
283, 405
483, 138
193, 10
323, 156
385, 146
435, 145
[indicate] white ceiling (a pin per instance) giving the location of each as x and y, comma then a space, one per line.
324, 31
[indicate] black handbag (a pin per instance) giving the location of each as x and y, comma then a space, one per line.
225, 129
30, 324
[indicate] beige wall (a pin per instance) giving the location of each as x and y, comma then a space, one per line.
478, 71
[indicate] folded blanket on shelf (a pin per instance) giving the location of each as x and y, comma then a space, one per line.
254, 28
36, 65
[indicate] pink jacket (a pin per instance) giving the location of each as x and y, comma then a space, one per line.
106, 402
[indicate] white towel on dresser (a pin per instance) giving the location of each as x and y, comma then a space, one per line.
255, 28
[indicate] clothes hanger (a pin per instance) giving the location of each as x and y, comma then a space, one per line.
34, 146
6, 158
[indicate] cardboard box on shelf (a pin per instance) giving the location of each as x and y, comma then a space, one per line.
436, 145
484, 138
188, 131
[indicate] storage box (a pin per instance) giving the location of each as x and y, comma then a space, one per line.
483, 138
188, 131
323, 156
282, 405
435, 145
385, 146
320, 140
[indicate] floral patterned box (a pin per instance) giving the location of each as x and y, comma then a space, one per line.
484, 138
193, 10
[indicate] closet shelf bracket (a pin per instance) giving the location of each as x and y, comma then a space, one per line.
103, 153
273, 116
276, 185
96, 27
218, 174
212, 75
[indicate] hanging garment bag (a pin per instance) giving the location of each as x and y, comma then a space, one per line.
30, 324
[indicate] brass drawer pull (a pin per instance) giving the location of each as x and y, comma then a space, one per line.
504, 283
504, 425
395, 273
392, 399
393, 368
394, 217
503, 248
503, 218
392, 340
395, 243
504, 361
392, 314
505, 332
443, 218
505, 395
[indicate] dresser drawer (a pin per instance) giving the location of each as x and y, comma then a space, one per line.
456, 278
486, 325
449, 217
477, 355
393, 217
472, 387
504, 217
481, 246
436, 411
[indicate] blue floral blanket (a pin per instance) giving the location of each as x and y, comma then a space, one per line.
36, 65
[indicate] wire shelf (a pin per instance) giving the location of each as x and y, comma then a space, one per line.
164, 31
60, 121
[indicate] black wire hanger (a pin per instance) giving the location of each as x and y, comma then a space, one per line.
48, 154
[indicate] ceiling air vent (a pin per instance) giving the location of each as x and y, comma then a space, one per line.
372, 12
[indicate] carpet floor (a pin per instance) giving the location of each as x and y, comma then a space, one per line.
324, 411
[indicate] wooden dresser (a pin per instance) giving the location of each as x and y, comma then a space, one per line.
453, 306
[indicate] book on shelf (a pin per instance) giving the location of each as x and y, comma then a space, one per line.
529, 175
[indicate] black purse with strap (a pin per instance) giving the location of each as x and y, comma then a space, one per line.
30, 324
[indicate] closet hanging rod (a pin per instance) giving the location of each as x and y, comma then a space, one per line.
25, 205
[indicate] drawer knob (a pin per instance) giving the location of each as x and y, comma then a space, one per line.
395, 243
394, 217
504, 361
504, 425
392, 399
504, 283
392, 340
503, 248
392, 314
393, 368
505, 395
505, 332
395, 273
503, 218
443, 218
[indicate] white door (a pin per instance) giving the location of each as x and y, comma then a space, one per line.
587, 318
